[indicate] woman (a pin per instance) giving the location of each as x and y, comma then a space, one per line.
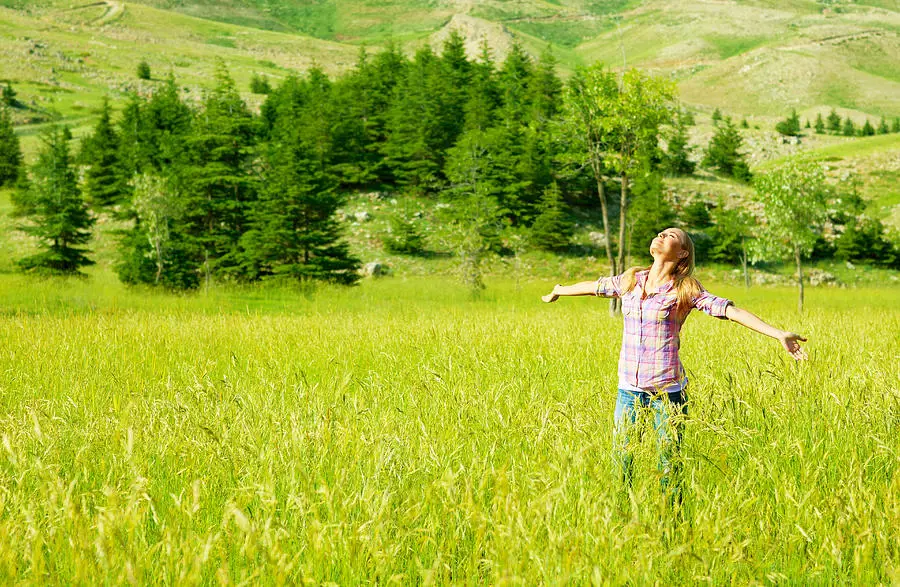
655, 303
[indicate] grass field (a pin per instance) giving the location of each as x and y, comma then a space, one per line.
402, 431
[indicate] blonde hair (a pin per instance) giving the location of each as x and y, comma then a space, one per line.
686, 287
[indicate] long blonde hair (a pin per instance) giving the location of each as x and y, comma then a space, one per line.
686, 287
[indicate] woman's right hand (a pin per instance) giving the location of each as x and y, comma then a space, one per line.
552, 296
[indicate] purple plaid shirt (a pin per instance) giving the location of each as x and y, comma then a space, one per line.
650, 338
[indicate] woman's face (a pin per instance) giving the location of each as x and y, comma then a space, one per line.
668, 245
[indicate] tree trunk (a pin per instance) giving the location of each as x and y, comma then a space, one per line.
623, 210
601, 192
799, 277
744, 263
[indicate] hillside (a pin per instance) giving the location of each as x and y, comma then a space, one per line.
753, 59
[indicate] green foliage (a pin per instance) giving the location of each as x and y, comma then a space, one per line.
58, 216
292, 231
744, 123
820, 124
649, 213
790, 126
552, 229
143, 70
260, 84
834, 122
677, 159
406, 236
867, 129
716, 116
8, 96
883, 127
103, 179
731, 230
848, 129
864, 240
695, 216
896, 126
793, 199
724, 152
10, 150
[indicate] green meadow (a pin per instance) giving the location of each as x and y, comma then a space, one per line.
402, 431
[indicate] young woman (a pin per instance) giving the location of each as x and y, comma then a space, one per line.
655, 303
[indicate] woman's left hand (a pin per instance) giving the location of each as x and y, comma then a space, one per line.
789, 340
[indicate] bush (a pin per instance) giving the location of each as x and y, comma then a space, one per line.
143, 70
406, 237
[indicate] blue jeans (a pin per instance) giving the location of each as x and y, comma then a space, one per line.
668, 410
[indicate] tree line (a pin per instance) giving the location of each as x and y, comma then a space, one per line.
214, 191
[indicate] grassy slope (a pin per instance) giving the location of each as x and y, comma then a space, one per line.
753, 59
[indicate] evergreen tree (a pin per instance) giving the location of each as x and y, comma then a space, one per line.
416, 141
545, 89
457, 75
807, 125
848, 130
896, 126
217, 186
716, 116
8, 96
863, 240
820, 124
730, 234
143, 70
484, 94
867, 129
724, 152
744, 123
293, 232
100, 152
834, 122
10, 151
677, 159
552, 229
260, 85
52, 201
789, 127
695, 215
883, 127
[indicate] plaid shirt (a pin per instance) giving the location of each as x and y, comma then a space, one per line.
650, 339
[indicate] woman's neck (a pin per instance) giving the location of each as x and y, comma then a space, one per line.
660, 272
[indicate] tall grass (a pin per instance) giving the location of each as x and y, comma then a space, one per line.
402, 431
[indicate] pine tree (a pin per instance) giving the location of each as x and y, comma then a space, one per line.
8, 96
10, 150
260, 85
848, 130
896, 126
217, 184
484, 94
820, 124
58, 215
744, 123
143, 70
415, 146
457, 75
834, 122
716, 116
293, 231
100, 152
724, 152
883, 127
677, 159
789, 127
867, 129
552, 229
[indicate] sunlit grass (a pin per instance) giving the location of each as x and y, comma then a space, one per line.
403, 431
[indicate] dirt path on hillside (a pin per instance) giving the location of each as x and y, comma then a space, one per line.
114, 9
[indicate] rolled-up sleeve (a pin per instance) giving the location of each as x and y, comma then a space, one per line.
608, 286
712, 305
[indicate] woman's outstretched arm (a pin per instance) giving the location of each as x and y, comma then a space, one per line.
583, 288
789, 340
